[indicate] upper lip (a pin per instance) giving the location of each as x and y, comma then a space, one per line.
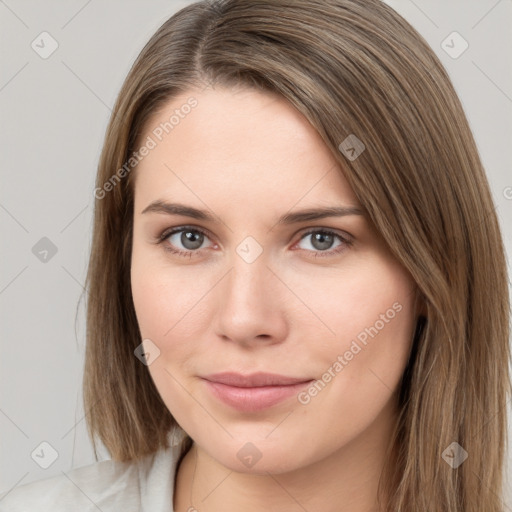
254, 380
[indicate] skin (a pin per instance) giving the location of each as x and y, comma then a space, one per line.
249, 157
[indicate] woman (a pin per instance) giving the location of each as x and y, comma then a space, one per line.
297, 290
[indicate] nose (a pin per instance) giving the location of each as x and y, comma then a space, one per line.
251, 304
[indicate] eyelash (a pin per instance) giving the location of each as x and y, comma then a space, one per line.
346, 242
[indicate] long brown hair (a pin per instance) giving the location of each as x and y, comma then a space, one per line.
353, 68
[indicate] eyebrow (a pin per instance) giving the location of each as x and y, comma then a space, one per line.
288, 218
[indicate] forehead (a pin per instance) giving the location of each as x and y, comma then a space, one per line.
242, 144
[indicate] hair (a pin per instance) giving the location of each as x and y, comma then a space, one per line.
351, 67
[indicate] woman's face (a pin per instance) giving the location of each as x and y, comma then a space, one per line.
256, 287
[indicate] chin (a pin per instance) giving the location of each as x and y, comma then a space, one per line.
257, 455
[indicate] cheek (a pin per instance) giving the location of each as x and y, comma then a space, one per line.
171, 307
371, 319
149, 302
164, 306
162, 296
360, 367
167, 316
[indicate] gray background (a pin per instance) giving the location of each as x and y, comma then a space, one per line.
54, 114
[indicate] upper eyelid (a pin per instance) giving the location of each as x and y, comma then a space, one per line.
171, 231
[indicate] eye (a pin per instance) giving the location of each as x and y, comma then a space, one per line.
191, 239
322, 240
186, 241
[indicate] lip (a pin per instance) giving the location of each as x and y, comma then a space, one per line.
255, 392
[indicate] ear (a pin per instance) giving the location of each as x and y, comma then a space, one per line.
420, 304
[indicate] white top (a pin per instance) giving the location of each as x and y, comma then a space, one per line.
109, 486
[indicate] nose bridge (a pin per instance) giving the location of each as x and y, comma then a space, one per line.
250, 278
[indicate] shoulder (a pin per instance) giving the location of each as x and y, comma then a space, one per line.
108, 485
83, 488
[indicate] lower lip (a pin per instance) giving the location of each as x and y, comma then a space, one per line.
254, 399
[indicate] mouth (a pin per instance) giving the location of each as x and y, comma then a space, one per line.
256, 392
